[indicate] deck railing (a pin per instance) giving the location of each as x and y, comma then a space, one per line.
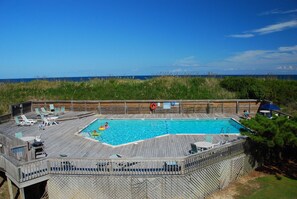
23, 172
14, 147
11, 166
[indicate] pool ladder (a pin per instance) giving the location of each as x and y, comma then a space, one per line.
166, 126
227, 130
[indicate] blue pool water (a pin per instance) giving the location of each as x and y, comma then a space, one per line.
130, 130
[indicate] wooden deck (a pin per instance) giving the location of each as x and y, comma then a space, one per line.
63, 139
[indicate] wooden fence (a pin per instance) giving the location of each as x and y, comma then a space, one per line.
235, 106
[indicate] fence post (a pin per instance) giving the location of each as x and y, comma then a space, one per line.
125, 107
249, 107
11, 111
71, 105
99, 107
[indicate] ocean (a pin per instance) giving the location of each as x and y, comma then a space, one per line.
139, 77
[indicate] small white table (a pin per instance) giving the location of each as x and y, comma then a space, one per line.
201, 146
28, 139
265, 113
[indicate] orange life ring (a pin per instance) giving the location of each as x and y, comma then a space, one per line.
153, 106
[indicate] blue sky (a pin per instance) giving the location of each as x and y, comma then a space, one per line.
65, 38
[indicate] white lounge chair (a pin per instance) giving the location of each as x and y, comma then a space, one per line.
26, 120
48, 122
39, 113
45, 112
45, 121
21, 123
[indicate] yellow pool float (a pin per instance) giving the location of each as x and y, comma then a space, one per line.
101, 128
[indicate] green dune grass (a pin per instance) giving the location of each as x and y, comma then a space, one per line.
113, 89
162, 88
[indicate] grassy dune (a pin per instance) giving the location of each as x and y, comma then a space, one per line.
113, 89
282, 92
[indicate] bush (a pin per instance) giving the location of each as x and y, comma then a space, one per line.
281, 92
274, 138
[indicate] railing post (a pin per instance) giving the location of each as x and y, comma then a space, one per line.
19, 175
48, 165
182, 169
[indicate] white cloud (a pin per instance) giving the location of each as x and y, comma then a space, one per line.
267, 29
276, 11
287, 68
242, 35
283, 58
276, 27
288, 48
281, 54
288, 11
187, 61
247, 55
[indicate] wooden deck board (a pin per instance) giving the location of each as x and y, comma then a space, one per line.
62, 138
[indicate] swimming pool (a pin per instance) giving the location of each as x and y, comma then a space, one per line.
123, 131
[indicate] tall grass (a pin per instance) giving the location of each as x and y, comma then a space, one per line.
113, 89
282, 92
